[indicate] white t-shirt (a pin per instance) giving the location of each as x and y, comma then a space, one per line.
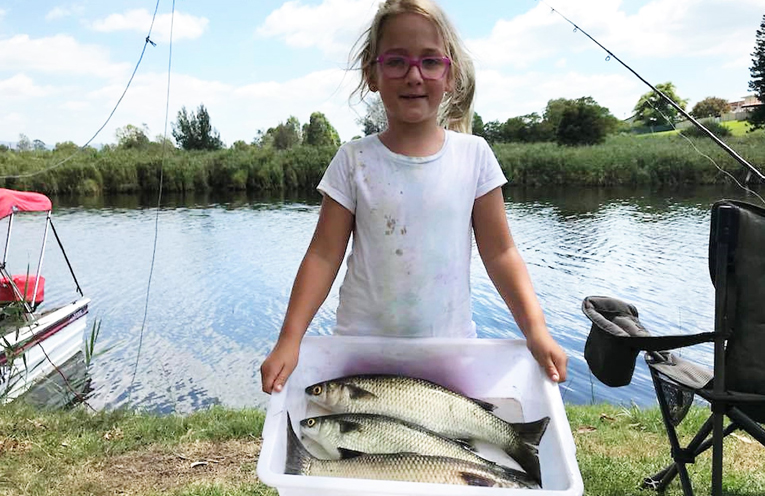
409, 267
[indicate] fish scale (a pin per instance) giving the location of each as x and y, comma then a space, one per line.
396, 467
377, 434
433, 407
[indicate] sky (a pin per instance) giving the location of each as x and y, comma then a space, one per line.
64, 65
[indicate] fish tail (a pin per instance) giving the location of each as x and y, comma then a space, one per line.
525, 452
298, 458
531, 432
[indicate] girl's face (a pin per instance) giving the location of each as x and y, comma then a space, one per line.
411, 99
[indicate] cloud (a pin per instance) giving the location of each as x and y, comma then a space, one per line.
60, 54
64, 11
2, 14
501, 96
332, 26
22, 86
660, 29
185, 26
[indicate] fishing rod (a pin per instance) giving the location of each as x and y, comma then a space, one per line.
752, 169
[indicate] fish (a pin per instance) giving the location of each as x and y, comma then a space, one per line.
348, 435
435, 408
408, 467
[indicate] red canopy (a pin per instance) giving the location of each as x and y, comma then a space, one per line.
12, 201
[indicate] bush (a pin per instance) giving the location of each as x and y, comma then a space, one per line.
719, 130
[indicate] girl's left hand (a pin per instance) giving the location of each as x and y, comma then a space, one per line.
549, 354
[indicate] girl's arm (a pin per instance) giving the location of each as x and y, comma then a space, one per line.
508, 272
312, 284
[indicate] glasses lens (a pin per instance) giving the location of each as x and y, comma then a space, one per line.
395, 67
433, 67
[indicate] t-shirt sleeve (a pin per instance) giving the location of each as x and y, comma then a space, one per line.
490, 174
337, 182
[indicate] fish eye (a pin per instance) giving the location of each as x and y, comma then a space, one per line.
310, 422
317, 390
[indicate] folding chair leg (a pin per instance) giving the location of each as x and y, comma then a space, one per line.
717, 453
749, 425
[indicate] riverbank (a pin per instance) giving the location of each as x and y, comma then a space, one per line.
624, 160
214, 452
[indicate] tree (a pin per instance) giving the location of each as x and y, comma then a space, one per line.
39, 145
757, 117
319, 132
24, 145
710, 106
133, 137
375, 120
653, 110
287, 134
478, 125
194, 132
584, 122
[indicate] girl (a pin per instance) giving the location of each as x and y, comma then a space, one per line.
411, 196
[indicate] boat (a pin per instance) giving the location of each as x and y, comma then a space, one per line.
34, 341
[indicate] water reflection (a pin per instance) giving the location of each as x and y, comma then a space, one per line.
225, 266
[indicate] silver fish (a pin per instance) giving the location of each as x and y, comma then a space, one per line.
397, 467
347, 435
435, 408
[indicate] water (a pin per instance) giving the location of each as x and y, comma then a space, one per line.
225, 266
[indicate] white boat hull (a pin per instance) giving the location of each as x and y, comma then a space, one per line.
48, 342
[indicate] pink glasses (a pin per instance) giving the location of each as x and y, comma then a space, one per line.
398, 66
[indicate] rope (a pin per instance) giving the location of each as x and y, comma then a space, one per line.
156, 218
83, 147
706, 131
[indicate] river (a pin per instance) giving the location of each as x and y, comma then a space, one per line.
224, 268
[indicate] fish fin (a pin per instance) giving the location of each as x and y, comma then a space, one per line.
489, 407
356, 392
525, 452
348, 453
348, 426
527, 458
297, 456
531, 432
519, 476
465, 443
476, 480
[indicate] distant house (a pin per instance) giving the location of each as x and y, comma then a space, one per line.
745, 105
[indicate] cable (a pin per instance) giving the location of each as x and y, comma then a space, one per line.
156, 218
82, 148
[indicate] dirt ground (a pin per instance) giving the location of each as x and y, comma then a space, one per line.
160, 470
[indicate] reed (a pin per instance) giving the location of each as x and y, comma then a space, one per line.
623, 160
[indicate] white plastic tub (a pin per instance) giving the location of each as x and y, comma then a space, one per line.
495, 370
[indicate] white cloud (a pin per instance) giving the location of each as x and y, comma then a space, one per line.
185, 26
660, 29
501, 96
60, 54
64, 11
332, 26
22, 86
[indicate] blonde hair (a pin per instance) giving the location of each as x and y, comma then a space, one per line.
456, 110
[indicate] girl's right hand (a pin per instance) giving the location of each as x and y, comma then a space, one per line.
279, 364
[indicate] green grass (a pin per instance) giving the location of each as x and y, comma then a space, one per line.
80, 453
737, 129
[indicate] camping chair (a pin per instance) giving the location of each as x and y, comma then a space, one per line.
735, 387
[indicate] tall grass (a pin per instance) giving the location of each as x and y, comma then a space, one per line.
621, 161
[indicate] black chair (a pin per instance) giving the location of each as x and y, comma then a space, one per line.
735, 387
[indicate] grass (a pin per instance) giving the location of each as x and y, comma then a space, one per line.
214, 453
737, 129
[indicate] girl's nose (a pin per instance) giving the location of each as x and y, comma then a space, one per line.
414, 74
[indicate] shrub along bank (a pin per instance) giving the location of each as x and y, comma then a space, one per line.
620, 161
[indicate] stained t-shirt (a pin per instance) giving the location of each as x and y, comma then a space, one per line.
408, 271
